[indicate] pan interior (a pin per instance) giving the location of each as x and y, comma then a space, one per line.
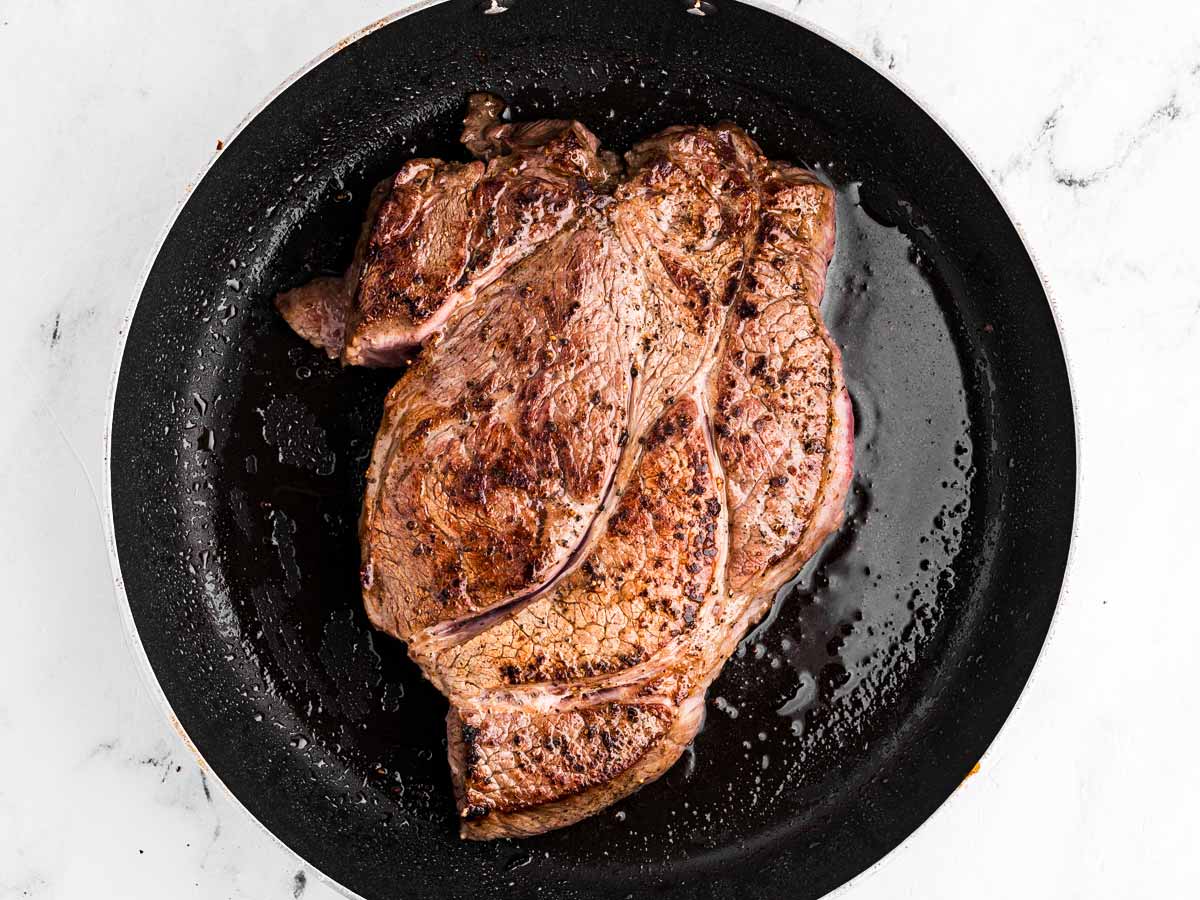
881, 674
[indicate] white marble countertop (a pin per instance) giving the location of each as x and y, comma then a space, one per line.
1086, 115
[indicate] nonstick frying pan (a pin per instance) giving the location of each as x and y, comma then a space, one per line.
237, 454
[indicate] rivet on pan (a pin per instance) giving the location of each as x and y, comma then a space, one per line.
495, 7
700, 8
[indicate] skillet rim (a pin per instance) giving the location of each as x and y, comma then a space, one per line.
132, 636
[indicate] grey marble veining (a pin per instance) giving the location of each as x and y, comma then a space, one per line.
1087, 119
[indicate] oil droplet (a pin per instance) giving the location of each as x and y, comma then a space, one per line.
726, 707
519, 861
806, 693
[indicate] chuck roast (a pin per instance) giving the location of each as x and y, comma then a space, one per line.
625, 430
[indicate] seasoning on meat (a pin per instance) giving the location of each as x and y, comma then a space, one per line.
594, 478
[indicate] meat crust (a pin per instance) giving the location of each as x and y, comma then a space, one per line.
626, 429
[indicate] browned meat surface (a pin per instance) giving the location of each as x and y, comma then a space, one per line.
445, 231
519, 772
782, 418
499, 447
626, 429
640, 587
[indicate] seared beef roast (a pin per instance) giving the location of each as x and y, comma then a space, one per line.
625, 430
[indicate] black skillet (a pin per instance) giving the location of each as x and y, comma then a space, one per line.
237, 458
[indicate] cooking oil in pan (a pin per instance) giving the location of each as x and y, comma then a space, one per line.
813, 679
